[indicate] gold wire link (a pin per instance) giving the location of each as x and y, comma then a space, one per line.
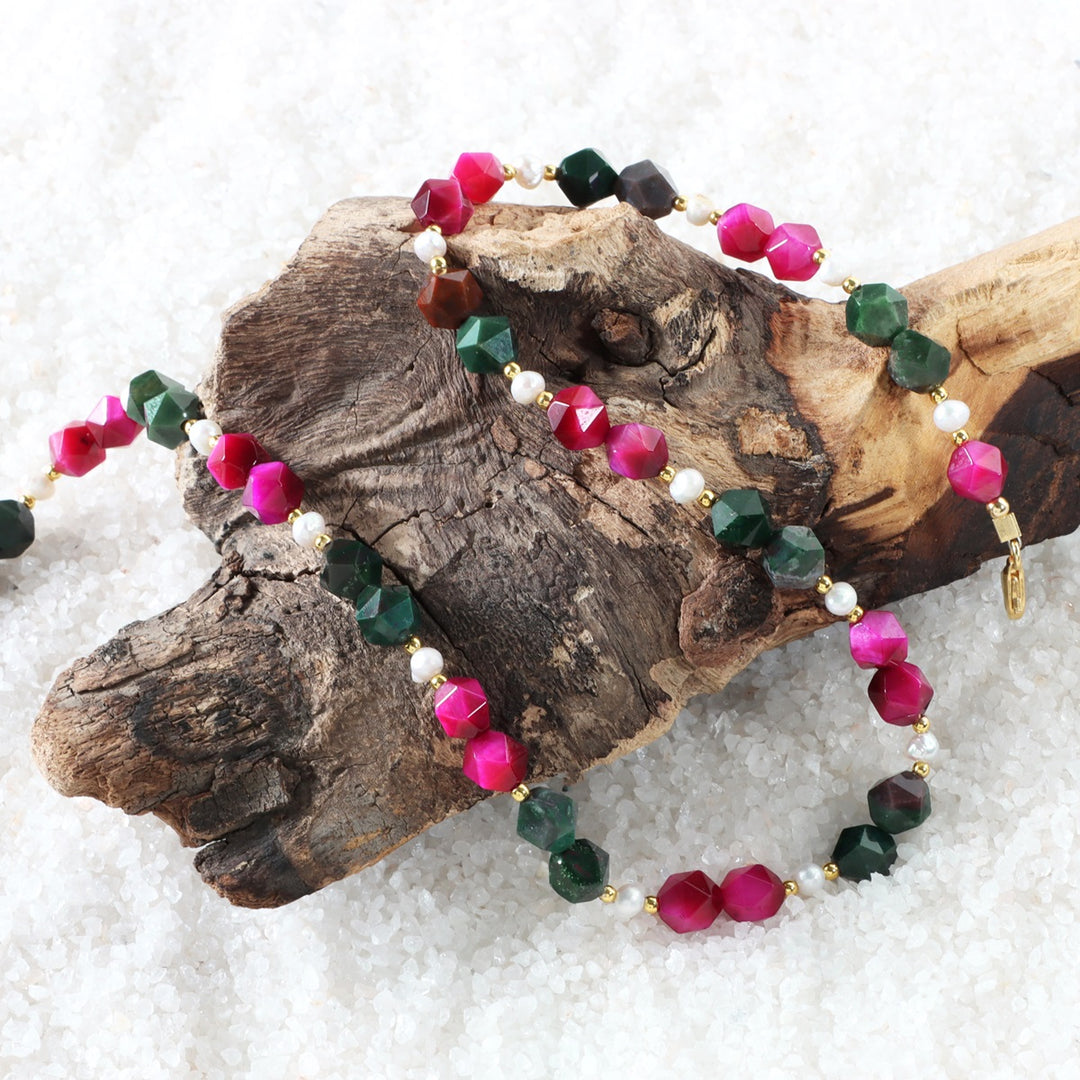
1013, 584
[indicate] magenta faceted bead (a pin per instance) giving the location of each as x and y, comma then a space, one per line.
751, 893
900, 693
578, 418
442, 203
790, 251
494, 761
977, 471
689, 901
110, 424
743, 231
273, 491
232, 459
461, 706
75, 450
480, 176
878, 640
636, 450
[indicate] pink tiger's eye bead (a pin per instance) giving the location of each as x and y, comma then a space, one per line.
74, 450
636, 451
900, 693
688, 901
110, 424
232, 459
273, 491
494, 761
790, 251
480, 176
578, 418
442, 203
751, 893
878, 640
743, 231
977, 471
461, 706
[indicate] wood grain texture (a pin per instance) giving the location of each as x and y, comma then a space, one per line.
255, 721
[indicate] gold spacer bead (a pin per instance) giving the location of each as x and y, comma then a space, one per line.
922, 725
921, 768
791, 888
212, 441
551, 172
667, 474
521, 793
545, 399
855, 614
437, 680
938, 394
188, 425
832, 871
998, 508
512, 370
706, 498
414, 644
294, 515
435, 228
820, 256
28, 501
824, 584
322, 542
849, 285
53, 475
960, 437
714, 217
679, 203
651, 905
610, 894
509, 172
439, 265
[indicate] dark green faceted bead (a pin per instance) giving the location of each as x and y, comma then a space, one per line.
16, 528
580, 872
387, 614
167, 414
547, 819
863, 850
144, 387
876, 314
741, 518
795, 558
899, 802
350, 568
585, 177
917, 362
486, 343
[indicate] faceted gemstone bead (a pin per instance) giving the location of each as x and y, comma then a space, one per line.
794, 558
167, 414
977, 471
751, 893
899, 803
547, 819
494, 761
387, 614
232, 459
876, 313
578, 418
486, 343
744, 230
900, 693
74, 450
144, 387
110, 424
461, 706
688, 901
442, 203
351, 566
447, 300
647, 188
480, 176
917, 362
878, 640
585, 177
16, 528
273, 491
580, 872
862, 850
741, 518
636, 451
790, 250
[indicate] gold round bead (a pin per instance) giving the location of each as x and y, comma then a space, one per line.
509, 172
791, 888
435, 228
439, 265
824, 584
188, 425
714, 217
667, 474
999, 507
651, 905
414, 644
820, 256
832, 871
521, 793
609, 895
921, 768
855, 614
706, 498
679, 203
551, 172
545, 399
938, 394
53, 475
212, 441
322, 542
849, 285
294, 515
512, 370
922, 725
28, 501
437, 680
960, 437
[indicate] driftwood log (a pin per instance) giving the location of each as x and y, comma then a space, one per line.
253, 718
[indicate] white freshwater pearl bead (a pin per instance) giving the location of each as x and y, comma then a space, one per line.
527, 386
202, 435
810, 879
923, 747
306, 527
530, 172
951, 415
837, 268
39, 488
629, 902
429, 245
425, 664
841, 598
686, 486
698, 210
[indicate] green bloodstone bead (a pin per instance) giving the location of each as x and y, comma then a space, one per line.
387, 614
350, 568
547, 819
486, 343
876, 314
794, 558
899, 802
144, 387
167, 414
585, 177
917, 362
580, 872
16, 528
863, 850
741, 518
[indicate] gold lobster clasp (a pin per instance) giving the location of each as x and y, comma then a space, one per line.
1013, 586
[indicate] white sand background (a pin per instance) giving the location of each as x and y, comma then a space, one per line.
158, 161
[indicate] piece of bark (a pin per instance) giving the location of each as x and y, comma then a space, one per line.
255, 720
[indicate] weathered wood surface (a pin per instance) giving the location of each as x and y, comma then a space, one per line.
256, 722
